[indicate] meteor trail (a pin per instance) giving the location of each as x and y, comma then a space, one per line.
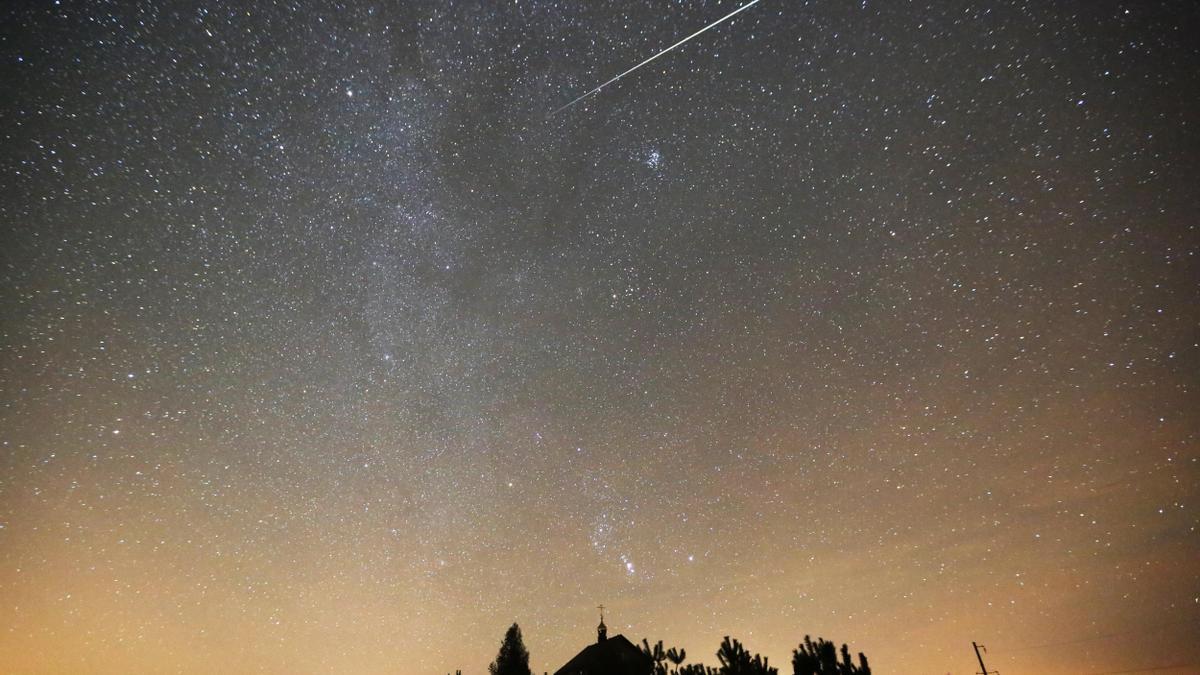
721, 20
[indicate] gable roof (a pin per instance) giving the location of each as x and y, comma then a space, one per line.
614, 656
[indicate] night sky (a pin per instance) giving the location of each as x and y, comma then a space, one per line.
325, 349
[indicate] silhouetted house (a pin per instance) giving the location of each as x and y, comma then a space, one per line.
609, 656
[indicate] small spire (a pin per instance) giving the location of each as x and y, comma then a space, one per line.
601, 630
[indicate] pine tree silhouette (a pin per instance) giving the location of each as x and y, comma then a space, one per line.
661, 656
513, 658
657, 655
811, 658
821, 658
735, 660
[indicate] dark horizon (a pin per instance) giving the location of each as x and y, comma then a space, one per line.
325, 347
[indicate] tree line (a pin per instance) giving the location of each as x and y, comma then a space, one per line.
820, 657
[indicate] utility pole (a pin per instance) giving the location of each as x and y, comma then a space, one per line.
982, 667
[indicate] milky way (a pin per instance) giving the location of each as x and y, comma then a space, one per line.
323, 350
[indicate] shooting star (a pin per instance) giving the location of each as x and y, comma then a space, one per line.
719, 21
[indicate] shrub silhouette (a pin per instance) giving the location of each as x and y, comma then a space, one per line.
821, 658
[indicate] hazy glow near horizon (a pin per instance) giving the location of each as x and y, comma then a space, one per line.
323, 350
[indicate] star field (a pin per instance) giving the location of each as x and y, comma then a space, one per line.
324, 348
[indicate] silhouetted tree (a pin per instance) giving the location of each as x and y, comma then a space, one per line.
657, 655
513, 658
661, 656
735, 660
821, 658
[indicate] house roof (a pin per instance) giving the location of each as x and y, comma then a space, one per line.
614, 656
